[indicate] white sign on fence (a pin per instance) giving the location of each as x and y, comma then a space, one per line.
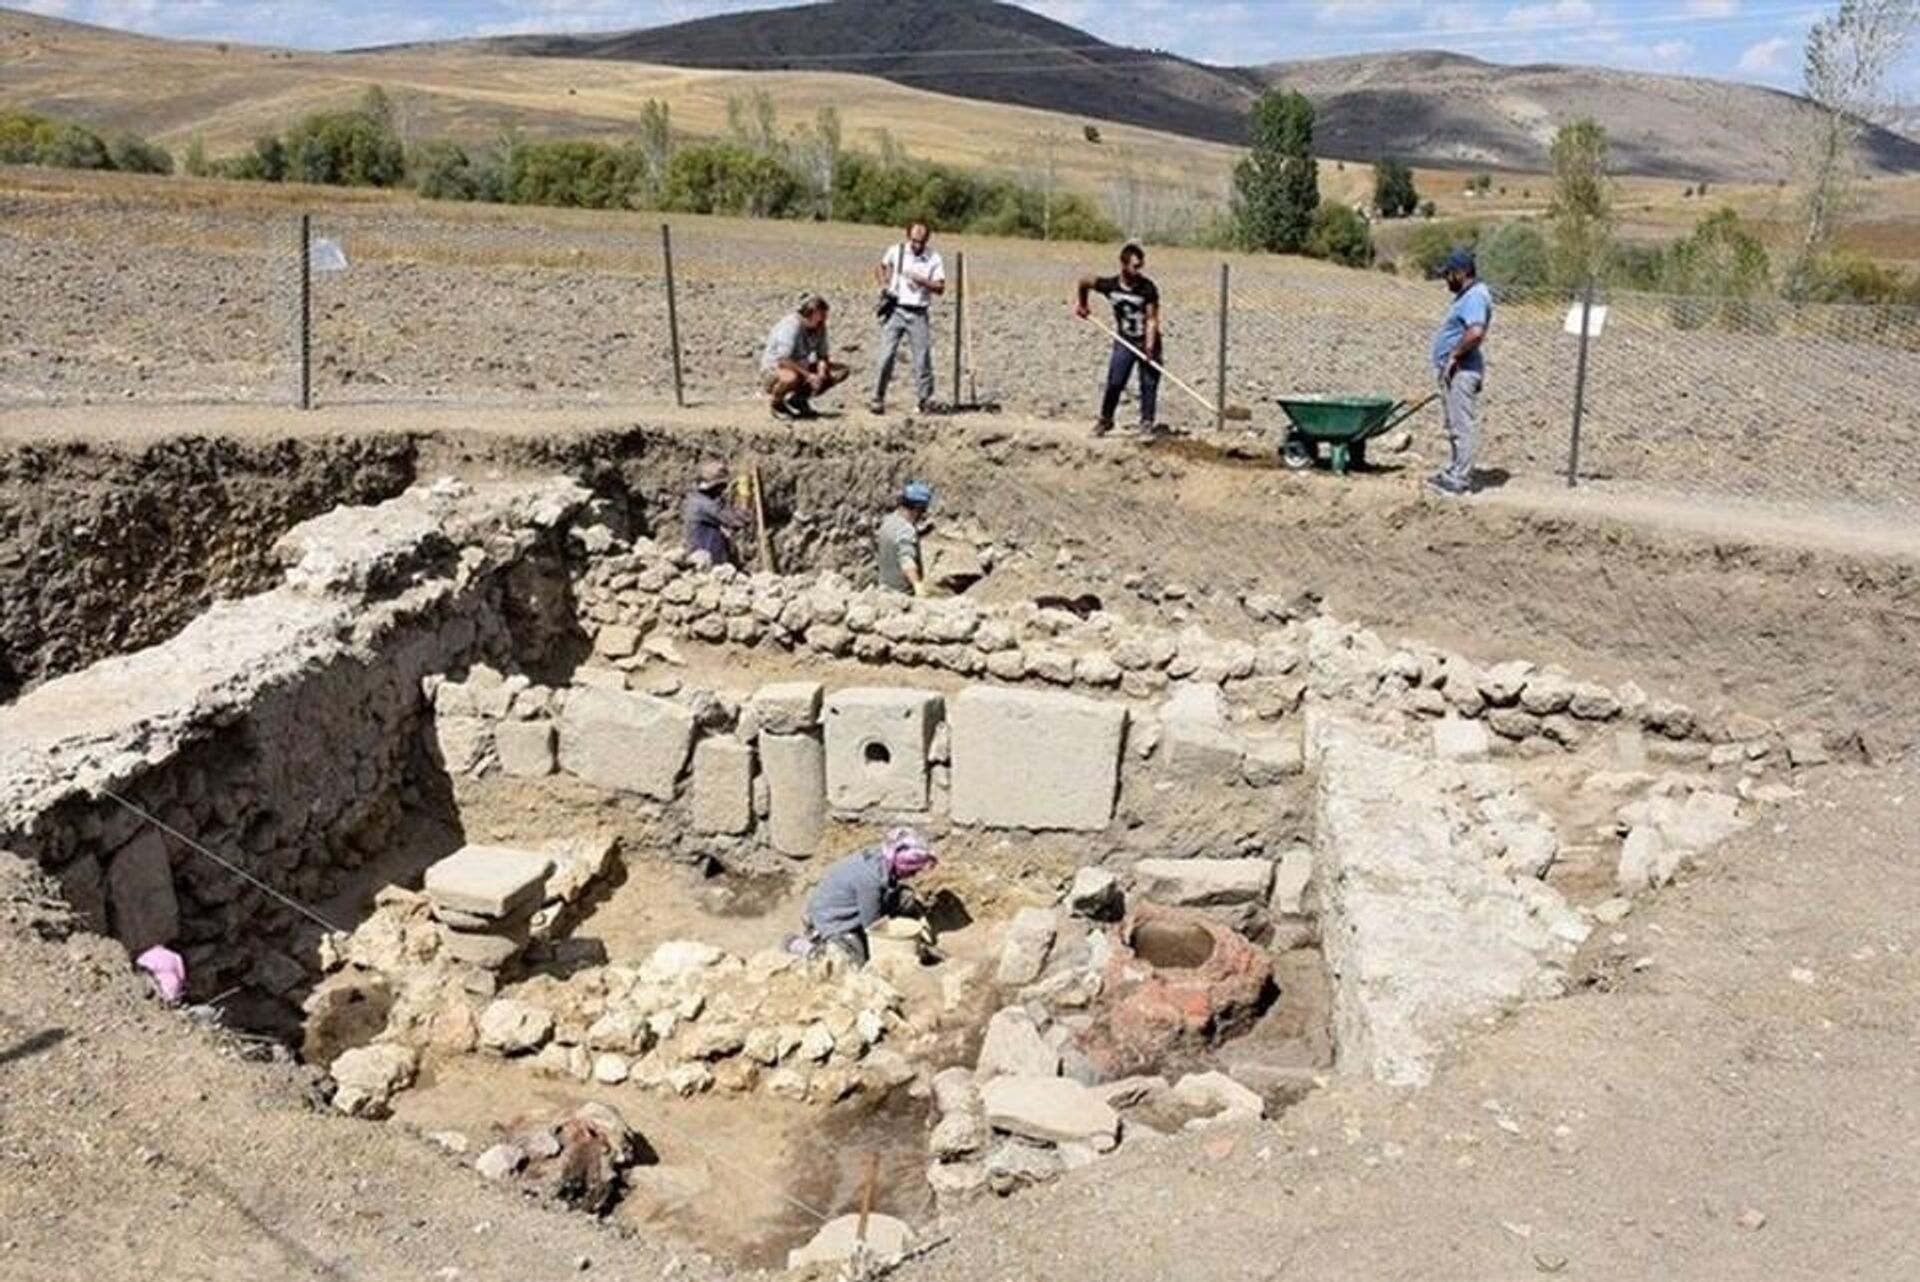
1596, 320
325, 255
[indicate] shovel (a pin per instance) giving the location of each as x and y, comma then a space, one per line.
1237, 413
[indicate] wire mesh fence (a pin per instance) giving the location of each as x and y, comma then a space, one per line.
106, 300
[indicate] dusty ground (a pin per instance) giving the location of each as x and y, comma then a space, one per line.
499, 308
1731, 1096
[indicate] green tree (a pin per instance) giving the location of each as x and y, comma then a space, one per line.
195, 162
1276, 188
132, 154
1431, 242
347, 148
1581, 214
731, 178
1721, 258
1848, 58
754, 122
1393, 190
1340, 235
1514, 256
655, 140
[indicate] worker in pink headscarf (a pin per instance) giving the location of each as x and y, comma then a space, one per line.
863, 888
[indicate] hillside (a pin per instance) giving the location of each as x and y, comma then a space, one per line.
1443, 108
968, 48
1434, 108
227, 95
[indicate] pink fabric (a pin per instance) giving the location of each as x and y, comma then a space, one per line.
907, 852
167, 971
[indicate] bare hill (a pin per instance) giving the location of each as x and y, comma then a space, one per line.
1431, 107
1444, 108
970, 48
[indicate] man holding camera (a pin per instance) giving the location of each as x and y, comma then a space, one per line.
911, 276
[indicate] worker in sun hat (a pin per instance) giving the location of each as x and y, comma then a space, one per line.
710, 521
898, 541
861, 889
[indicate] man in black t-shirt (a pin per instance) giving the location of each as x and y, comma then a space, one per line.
1136, 318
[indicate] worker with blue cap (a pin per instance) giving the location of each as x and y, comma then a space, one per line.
899, 568
1459, 358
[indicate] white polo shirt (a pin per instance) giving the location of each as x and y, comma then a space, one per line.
925, 264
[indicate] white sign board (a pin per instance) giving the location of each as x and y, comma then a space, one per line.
1596, 320
325, 255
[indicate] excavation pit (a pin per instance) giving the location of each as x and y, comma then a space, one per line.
495, 666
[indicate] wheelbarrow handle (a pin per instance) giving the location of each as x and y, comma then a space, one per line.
1404, 411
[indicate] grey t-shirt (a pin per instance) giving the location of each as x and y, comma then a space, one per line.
852, 896
899, 545
791, 340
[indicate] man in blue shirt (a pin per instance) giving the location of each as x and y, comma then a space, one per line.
1460, 360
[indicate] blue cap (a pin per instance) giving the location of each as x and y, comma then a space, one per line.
918, 493
1460, 260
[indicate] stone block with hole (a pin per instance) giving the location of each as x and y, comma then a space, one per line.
488, 881
1033, 759
877, 742
626, 742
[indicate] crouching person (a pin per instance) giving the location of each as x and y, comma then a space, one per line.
795, 365
861, 889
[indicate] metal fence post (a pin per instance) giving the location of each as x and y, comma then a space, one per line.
306, 311
673, 316
1580, 384
1220, 358
959, 318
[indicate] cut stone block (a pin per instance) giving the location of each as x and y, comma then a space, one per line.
877, 742
722, 786
1203, 883
488, 881
626, 742
786, 707
140, 894
489, 950
525, 748
1054, 1110
795, 768
1027, 759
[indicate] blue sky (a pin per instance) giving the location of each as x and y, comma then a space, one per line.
1757, 40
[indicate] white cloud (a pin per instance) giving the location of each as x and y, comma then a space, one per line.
1767, 57
1712, 8
1553, 13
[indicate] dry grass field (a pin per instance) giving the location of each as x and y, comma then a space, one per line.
226, 95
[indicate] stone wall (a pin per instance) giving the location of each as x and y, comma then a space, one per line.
280, 730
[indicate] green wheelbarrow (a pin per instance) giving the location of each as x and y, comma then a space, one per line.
1344, 424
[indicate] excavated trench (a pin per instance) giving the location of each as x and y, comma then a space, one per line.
1149, 815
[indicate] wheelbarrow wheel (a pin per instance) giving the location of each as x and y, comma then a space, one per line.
1297, 455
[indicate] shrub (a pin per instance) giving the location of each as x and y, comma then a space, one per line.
133, 154
29, 139
448, 171
1514, 256
1429, 246
730, 178
1339, 235
346, 148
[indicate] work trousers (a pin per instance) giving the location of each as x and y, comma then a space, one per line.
913, 325
1120, 367
1462, 401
